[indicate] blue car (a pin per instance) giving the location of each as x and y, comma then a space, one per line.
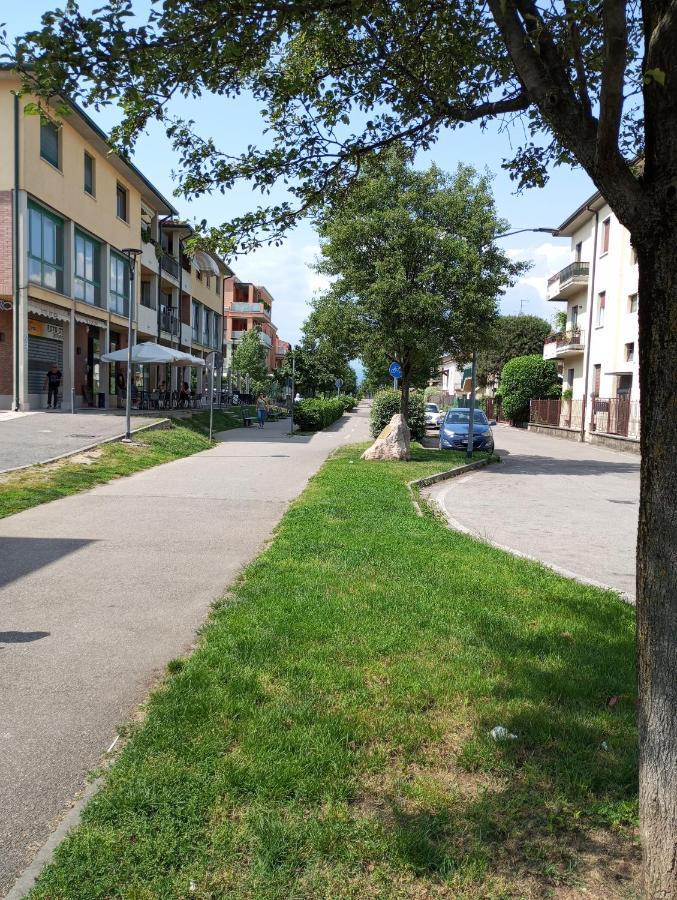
454, 431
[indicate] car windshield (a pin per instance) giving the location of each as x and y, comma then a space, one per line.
462, 417
431, 407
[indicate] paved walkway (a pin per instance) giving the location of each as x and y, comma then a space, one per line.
570, 505
99, 590
36, 437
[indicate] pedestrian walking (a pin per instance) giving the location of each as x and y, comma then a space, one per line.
53, 383
261, 410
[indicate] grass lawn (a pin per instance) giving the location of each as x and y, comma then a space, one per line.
39, 484
328, 738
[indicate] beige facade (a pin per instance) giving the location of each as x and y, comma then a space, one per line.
68, 208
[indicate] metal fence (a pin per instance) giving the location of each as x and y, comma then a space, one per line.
557, 413
615, 415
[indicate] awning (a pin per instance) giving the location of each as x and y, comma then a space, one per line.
49, 312
147, 353
90, 320
204, 262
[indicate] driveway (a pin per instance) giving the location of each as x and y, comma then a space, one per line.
37, 437
100, 590
569, 505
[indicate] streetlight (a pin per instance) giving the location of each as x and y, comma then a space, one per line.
473, 375
131, 253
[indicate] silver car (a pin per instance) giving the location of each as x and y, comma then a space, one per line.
433, 416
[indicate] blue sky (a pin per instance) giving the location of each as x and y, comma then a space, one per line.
285, 270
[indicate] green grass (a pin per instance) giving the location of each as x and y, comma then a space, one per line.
40, 484
328, 738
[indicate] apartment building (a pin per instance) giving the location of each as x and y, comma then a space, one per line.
68, 211
597, 349
248, 306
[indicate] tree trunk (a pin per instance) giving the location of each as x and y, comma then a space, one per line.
404, 396
657, 562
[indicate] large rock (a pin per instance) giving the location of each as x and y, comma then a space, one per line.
392, 443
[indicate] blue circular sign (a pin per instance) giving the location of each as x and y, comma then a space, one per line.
395, 370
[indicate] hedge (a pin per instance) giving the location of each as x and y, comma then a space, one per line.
526, 378
348, 402
315, 414
387, 403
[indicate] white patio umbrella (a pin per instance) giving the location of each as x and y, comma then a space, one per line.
147, 354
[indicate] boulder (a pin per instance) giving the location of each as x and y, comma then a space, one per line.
392, 443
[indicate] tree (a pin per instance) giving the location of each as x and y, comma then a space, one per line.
250, 358
526, 378
414, 271
511, 336
593, 85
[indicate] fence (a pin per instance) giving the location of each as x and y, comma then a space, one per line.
616, 415
557, 413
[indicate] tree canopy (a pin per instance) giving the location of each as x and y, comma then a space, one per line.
510, 336
415, 272
250, 358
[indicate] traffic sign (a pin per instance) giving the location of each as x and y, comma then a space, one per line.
339, 383
395, 370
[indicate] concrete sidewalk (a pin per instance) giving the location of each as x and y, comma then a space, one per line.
573, 506
99, 590
37, 437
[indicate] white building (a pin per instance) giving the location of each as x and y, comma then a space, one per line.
597, 351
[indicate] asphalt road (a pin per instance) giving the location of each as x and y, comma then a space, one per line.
37, 437
99, 590
570, 505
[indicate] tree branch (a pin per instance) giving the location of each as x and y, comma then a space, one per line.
578, 60
613, 74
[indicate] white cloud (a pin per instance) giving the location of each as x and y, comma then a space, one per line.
547, 258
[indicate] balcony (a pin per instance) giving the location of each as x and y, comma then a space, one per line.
564, 343
250, 309
169, 322
266, 339
170, 266
571, 279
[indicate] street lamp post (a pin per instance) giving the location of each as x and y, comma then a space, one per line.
293, 380
473, 382
131, 253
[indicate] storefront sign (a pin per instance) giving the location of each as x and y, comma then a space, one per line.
45, 330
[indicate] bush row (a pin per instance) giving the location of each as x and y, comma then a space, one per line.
348, 401
387, 403
314, 414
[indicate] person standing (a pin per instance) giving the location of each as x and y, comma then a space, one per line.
53, 383
261, 410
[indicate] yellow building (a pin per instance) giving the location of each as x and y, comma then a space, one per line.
68, 208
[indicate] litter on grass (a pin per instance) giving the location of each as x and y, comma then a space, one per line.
500, 733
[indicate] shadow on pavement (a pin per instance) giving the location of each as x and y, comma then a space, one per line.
528, 464
22, 637
23, 555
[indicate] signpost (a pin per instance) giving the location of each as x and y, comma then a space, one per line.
339, 384
215, 361
395, 372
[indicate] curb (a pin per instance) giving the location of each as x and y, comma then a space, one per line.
443, 476
154, 426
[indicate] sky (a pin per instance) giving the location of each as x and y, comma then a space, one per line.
286, 270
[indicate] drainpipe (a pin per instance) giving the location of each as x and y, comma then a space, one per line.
178, 308
17, 290
591, 300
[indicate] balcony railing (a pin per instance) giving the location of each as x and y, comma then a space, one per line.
250, 308
564, 343
568, 280
170, 265
169, 321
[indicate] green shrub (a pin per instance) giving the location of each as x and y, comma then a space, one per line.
387, 403
526, 378
567, 394
348, 402
315, 414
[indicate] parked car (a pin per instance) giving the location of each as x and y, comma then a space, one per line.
433, 416
454, 430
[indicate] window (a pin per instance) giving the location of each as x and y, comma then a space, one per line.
89, 174
45, 248
216, 332
579, 250
601, 306
630, 352
574, 318
195, 321
606, 229
147, 295
216, 286
570, 378
121, 195
119, 284
633, 256
596, 379
49, 142
632, 303
87, 281
206, 326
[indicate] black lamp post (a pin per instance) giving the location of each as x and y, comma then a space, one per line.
473, 382
131, 253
